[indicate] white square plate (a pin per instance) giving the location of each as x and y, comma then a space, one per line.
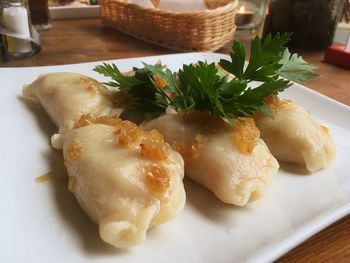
43, 222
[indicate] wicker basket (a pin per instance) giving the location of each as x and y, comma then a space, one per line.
206, 30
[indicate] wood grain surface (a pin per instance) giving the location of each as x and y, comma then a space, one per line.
86, 40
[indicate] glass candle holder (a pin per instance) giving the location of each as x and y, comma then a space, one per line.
312, 22
250, 15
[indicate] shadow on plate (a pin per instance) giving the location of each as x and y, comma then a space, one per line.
72, 214
46, 126
295, 169
208, 205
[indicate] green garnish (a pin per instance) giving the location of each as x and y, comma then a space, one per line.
295, 68
203, 86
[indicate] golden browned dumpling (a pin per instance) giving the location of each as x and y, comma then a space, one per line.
232, 162
68, 96
293, 135
126, 179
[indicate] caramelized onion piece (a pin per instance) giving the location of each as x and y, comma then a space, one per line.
129, 133
157, 178
71, 183
190, 150
246, 135
150, 143
153, 146
160, 82
74, 151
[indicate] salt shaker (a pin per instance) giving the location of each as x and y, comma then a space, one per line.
15, 18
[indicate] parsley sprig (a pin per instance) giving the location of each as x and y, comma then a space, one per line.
203, 86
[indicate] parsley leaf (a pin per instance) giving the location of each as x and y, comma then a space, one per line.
236, 65
295, 68
120, 81
149, 100
205, 87
264, 59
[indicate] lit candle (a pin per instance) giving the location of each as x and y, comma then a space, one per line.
244, 16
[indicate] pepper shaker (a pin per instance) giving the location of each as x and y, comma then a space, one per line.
40, 14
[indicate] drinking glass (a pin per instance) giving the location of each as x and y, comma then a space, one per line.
39, 14
312, 22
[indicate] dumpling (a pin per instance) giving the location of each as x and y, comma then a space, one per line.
67, 96
126, 179
232, 162
293, 135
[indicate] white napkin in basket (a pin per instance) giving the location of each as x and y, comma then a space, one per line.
182, 5
144, 3
173, 5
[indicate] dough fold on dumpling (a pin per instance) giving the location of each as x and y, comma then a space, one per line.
119, 185
293, 136
213, 159
68, 96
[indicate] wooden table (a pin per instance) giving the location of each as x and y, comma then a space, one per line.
86, 40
